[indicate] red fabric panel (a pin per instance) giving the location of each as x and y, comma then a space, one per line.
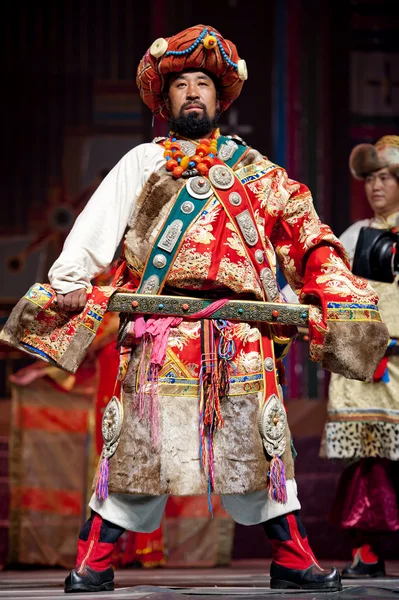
107, 361
54, 419
144, 548
62, 502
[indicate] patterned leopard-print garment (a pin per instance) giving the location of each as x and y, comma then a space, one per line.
361, 440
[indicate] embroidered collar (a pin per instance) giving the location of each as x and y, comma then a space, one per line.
385, 222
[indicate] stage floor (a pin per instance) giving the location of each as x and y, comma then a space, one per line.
244, 580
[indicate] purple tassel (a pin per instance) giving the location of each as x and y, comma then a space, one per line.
102, 480
277, 483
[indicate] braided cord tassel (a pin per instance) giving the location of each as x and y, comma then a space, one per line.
214, 384
277, 488
102, 479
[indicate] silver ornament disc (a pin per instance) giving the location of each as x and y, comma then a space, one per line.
187, 207
111, 426
269, 364
272, 426
159, 261
199, 187
221, 177
235, 198
259, 256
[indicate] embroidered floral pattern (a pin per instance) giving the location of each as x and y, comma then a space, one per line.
234, 242
341, 282
183, 334
238, 276
190, 268
289, 267
51, 332
201, 231
248, 362
246, 333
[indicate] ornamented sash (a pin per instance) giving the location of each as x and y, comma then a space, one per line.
272, 421
190, 202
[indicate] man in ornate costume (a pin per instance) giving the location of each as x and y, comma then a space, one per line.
203, 413
363, 418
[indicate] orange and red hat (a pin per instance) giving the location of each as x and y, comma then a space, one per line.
200, 47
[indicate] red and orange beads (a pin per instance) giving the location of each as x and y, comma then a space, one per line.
182, 165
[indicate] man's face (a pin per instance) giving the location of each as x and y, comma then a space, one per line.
192, 93
382, 190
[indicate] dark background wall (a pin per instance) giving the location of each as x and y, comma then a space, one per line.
295, 107
323, 76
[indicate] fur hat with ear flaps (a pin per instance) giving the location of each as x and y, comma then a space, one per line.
201, 48
366, 158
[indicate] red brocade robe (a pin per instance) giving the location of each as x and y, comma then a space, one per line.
345, 332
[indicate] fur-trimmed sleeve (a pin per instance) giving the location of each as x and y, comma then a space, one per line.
345, 329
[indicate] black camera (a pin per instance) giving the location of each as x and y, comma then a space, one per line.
377, 254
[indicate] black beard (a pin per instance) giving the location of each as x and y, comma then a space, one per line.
192, 125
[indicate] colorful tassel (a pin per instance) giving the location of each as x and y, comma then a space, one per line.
102, 479
226, 353
210, 507
155, 334
214, 384
277, 488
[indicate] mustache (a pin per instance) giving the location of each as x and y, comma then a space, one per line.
196, 104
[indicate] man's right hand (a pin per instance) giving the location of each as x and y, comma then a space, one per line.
73, 301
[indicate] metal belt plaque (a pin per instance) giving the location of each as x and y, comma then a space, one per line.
234, 310
150, 285
269, 284
171, 235
247, 227
227, 150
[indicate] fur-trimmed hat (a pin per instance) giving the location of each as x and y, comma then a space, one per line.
200, 47
366, 158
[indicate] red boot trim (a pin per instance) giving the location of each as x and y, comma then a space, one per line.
296, 552
92, 553
354, 552
287, 554
367, 554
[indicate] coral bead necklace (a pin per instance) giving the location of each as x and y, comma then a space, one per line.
182, 165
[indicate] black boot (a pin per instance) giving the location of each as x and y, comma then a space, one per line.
363, 569
312, 578
90, 581
294, 565
93, 572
